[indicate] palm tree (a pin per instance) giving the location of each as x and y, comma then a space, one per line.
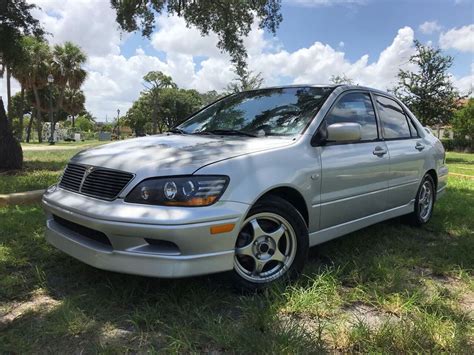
31, 70
154, 82
73, 103
67, 71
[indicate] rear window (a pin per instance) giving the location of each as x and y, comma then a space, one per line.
392, 116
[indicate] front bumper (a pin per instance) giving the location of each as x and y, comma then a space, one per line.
157, 241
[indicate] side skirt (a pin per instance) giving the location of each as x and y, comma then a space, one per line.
326, 234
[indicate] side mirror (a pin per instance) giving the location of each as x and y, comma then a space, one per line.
344, 132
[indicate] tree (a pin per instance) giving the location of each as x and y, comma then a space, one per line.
84, 124
31, 70
155, 81
139, 114
73, 103
341, 79
177, 104
16, 21
231, 20
66, 67
174, 106
11, 155
245, 80
428, 91
20, 106
210, 97
463, 122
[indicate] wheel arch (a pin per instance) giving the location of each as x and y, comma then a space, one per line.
291, 195
434, 176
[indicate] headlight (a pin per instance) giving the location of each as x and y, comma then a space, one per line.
191, 191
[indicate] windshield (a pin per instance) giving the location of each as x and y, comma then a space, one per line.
282, 111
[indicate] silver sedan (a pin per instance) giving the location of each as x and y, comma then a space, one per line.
247, 185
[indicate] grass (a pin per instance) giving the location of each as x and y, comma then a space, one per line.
387, 288
461, 163
42, 168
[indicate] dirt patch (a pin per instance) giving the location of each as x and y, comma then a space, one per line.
39, 302
369, 315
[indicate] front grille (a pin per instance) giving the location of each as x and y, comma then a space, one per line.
96, 182
83, 231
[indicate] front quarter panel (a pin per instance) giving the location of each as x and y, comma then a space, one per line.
251, 176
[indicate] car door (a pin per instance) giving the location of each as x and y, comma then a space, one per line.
406, 150
354, 179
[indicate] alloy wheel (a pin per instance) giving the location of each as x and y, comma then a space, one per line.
425, 202
265, 247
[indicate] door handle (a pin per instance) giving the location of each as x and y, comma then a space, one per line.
419, 146
379, 151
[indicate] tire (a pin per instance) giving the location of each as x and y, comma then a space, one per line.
272, 245
424, 202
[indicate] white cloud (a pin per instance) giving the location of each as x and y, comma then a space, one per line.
429, 27
314, 3
461, 39
88, 23
465, 84
341, 44
115, 81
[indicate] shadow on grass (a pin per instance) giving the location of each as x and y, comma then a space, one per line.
104, 311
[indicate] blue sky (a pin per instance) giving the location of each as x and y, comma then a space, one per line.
367, 40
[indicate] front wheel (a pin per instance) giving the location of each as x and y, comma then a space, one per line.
272, 244
424, 202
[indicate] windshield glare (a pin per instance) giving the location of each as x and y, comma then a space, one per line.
282, 111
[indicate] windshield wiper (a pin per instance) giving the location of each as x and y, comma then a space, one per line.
229, 132
177, 130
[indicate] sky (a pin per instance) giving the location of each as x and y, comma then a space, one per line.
366, 40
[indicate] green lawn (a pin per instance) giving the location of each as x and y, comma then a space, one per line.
41, 167
460, 163
387, 288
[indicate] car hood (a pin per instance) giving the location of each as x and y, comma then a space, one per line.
173, 154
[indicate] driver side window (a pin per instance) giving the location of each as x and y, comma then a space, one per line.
355, 108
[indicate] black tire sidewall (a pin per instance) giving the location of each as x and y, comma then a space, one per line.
279, 206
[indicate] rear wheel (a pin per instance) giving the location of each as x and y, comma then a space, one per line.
424, 202
272, 244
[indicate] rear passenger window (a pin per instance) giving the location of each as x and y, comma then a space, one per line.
356, 108
394, 121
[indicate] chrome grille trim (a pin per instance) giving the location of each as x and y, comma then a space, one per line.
102, 183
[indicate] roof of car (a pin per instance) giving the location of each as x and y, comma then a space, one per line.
345, 86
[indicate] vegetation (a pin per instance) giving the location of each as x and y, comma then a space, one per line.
341, 79
231, 20
15, 22
429, 91
388, 288
245, 80
161, 106
463, 125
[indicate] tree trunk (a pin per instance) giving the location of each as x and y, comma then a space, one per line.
11, 154
30, 124
22, 108
9, 90
39, 119
73, 120
154, 115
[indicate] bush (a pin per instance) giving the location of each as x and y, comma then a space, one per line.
458, 144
